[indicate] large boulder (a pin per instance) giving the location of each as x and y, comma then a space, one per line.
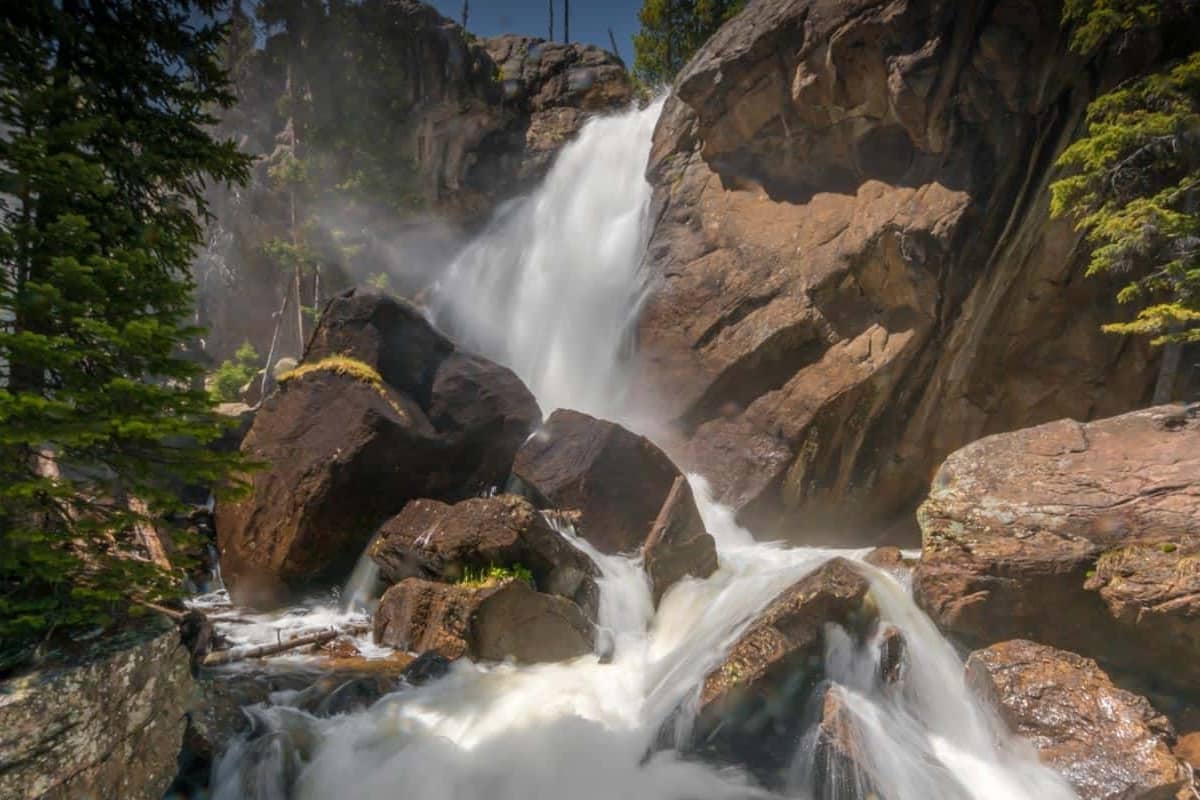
629, 495
382, 410
108, 726
853, 266
1084, 536
441, 542
617, 480
1109, 743
486, 622
752, 705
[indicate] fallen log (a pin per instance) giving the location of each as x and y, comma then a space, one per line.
235, 654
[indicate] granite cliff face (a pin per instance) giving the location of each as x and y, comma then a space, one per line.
854, 267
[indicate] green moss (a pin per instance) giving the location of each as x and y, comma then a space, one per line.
348, 367
494, 574
1168, 547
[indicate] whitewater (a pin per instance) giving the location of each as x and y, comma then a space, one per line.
551, 289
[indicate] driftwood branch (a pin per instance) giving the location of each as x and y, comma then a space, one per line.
232, 655
663, 524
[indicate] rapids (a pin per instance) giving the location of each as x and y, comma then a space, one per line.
550, 289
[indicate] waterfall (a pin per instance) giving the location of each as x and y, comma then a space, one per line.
551, 286
550, 289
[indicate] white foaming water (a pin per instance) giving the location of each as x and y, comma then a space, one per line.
550, 290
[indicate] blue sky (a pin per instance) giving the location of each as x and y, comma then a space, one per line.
590, 19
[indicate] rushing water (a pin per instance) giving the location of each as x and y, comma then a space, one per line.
550, 289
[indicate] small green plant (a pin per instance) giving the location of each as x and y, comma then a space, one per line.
494, 573
232, 375
1168, 547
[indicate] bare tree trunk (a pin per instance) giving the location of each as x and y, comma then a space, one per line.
229, 656
299, 318
550, 37
567, 21
1167, 371
266, 380
613, 40
466, 12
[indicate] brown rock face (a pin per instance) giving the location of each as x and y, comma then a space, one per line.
770, 671
433, 540
617, 480
344, 453
855, 269
490, 623
1107, 742
555, 87
1085, 536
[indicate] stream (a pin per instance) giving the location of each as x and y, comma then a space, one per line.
550, 289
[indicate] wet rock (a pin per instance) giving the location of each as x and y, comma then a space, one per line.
851, 274
429, 666
506, 619
107, 726
413, 418
436, 541
892, 653
1109, 743
752, 705
889, 559
677, 547
837, 769
1084, 536
617, 480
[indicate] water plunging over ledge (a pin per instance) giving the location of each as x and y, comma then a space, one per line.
550, 289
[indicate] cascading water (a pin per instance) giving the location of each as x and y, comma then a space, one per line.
551, 286
550, 290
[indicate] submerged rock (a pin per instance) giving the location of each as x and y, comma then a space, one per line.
1084, 536
110, 725
441, 542
752, 705
383, 409
493, 622
1109, 743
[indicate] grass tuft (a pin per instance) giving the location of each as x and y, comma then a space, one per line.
350, 368
477, 578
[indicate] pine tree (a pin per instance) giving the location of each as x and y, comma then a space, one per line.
672, 31
1134, 184
105, 107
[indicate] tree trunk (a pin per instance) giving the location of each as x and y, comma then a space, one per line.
1167, 371
567, 21
613, 41
550, 37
